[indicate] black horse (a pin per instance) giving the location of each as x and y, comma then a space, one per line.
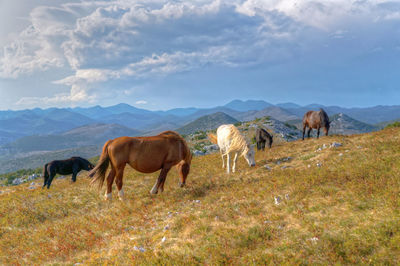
261, 138
65, 167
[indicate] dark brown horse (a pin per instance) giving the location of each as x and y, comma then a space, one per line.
144, 154
261, 138
317, 120
65, 167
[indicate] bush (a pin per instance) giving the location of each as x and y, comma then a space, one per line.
393, 125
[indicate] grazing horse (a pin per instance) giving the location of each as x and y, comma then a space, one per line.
230, 140
317, 120
144, 154
261, 138
65, 167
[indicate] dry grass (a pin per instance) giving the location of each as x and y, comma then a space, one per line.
346, 211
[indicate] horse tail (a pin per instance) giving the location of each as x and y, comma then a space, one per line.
213, 138
99, 171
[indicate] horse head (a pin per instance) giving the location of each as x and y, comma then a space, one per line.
249, 155
270, 140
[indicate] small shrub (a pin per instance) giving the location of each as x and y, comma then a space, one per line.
393, 125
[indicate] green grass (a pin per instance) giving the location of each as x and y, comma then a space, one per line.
345, 212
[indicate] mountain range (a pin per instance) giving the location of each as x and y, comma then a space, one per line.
35, 131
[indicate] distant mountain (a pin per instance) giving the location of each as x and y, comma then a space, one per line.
179, 111
6, 137
369, 115
203, 112
94, 134
287, 105
243, 106
97, 112
345, 125
207, 122
31, 123
272, 111
14, 124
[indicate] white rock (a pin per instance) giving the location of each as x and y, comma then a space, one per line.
319, 164
336, 144
309, 166
340, 154
141, 249
163, 239
314, 239
198, 153
287, 196
267, 167
166, 227
277, 200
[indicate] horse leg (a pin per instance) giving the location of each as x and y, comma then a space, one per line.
309, 131
234, 162
304, 130
52, 174
74, 176
161, 178
223, 162
118, 181
46, 178
228, 158
263, 145
110, 180
318, 133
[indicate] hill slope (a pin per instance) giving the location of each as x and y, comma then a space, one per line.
345, 210
207, 122
345, 125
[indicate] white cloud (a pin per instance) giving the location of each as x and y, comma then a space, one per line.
141, 102
108, 41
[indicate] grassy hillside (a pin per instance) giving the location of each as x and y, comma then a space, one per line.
345, 210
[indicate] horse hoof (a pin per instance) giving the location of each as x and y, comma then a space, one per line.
108, 197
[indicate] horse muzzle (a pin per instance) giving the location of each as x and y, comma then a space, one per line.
252, 165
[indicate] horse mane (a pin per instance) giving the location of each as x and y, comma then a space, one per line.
238, 142
175, 135
324, 117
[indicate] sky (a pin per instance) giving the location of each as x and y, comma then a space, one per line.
159, 54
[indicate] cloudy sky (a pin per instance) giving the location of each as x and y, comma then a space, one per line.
163, 54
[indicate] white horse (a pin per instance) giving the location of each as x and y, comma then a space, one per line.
230, 141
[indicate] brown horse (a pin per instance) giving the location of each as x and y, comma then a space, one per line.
144, 154
317, 120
